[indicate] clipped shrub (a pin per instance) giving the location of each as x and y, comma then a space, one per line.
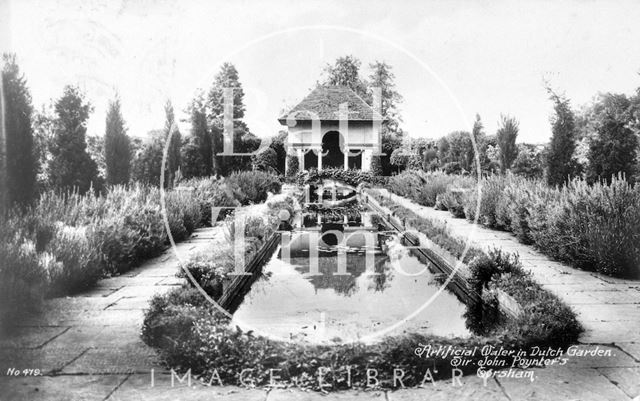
293, 166
419, 186
351, 177
492, 211
489, 267
376, 165
79, 262
598, 226
210, 271
210, 193
24, 274
170, 317
265, 160
183, 214
253, 186
451, 200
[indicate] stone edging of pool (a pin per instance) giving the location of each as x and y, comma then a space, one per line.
444, 261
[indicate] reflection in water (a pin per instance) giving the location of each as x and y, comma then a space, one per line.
343, 300
341, 284
289, 302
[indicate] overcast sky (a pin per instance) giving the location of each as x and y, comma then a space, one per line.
451, 59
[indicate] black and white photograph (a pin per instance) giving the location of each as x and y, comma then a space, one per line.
317, 200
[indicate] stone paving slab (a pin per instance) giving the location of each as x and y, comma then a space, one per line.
27, 337
133, 358
471, 388
139, 387
630, 348
597, 332
628, 380
129, 303
618, 358
59, 388
299, 395
99, 336
103, 318
48, 360
559, 383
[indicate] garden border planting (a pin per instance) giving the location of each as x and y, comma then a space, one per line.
66, 241
590, 226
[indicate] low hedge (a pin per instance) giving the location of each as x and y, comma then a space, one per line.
589, 226
425, 188
351, 177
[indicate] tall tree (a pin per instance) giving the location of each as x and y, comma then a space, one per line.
615, 146
117, 146
243, 140
227, 77
460, 150
506, 135
560, 158
391, 136
147, 162
70, 166
192, 164
383, 78
529, 161
172, 134
200, 133
279, 145
481, 141
346, 72
20, 158
43, 123
95, 148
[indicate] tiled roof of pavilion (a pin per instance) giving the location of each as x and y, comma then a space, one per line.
324, 102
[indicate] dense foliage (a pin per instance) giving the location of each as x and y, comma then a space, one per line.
20, 153
379, 91
614, 148
349, 177
252, 186
561, 165
593, 227
117, 147
70, 166
506, 136
426, 188
293, 166
67, 241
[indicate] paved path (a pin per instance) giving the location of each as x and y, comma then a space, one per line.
88, 346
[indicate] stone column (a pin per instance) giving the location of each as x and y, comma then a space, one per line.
320, 159
300, 155
346, 158
367, 154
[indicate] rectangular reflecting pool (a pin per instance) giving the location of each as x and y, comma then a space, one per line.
340, 282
